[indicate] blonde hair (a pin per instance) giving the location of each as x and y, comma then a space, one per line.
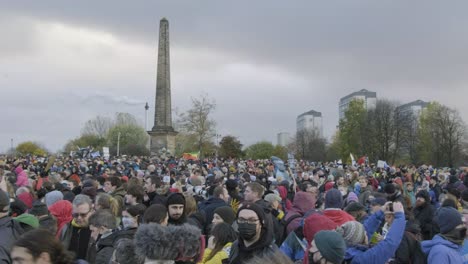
105, 201
190, 204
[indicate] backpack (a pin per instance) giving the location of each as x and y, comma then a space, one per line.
418, 257
298, 230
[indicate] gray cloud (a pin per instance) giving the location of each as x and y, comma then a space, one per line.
264, 62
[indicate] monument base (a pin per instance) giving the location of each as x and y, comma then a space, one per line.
162, 139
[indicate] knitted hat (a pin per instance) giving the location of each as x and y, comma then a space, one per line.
352, 197
333, 199
256, 208
315, 223
353, 233
175, 198
28, 219
448, 218
331, 245
226, 213
329, 185
355, 207
27, 199
4, 202
52, 197
39, 209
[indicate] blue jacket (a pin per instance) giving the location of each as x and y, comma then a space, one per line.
293, 247
372, 223
440, 250
384, 250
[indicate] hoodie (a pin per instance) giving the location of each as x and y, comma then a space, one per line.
62, 210
303, 202
21, 177
283, 192
440, 250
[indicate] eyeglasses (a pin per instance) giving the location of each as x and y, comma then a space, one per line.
247, 221
76, 215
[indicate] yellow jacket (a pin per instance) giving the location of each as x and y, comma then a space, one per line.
218, 257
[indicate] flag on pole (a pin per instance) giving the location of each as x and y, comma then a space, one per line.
362, 160
353, 161
191, 155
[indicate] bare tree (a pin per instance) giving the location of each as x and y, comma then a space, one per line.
98, 126
197, 120
310, 145
442, 133
126, 119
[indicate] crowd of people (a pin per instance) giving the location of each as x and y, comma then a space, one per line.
150, 210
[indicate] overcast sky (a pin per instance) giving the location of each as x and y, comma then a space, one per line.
263, 62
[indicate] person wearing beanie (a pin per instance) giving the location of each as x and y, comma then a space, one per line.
327, 245
255, 235
27, 221
294, 244
9, 228
27, 198
53, 197
224, 214
175, 205
353, 233
357, 239
424, 213
46, 221
351, 198
445, 247
333, 205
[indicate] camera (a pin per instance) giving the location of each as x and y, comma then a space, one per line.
390, 207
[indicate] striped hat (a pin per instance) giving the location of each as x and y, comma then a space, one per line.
353, 233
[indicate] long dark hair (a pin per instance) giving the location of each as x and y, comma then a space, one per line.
223, 233
39, 241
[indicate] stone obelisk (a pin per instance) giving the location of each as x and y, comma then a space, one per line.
163, 134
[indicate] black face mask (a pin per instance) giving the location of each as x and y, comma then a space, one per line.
247, 231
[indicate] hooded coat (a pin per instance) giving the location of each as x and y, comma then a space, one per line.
21, 177
62, 210
264, 246
285, 202
303, 202
8, 229
440, 250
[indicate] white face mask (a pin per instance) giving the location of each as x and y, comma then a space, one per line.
128, 222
